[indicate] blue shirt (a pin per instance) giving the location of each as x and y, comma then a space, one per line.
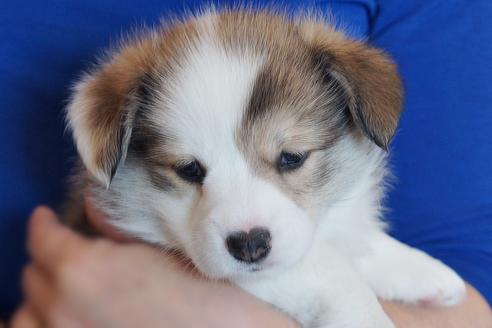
442, 154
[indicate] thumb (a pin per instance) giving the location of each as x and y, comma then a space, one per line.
49, 242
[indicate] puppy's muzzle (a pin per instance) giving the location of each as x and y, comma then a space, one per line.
249, 247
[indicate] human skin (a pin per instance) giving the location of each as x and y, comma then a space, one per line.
76, 282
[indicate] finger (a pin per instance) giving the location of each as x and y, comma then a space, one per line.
43, 300
38, 291
25, 318
100, 223
50, 243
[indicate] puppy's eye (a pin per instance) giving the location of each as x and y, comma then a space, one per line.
291, 161
191, 172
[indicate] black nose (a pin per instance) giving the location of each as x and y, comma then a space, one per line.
249, 247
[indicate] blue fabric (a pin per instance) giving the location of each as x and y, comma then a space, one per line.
442, 155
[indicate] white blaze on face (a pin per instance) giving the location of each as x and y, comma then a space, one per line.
208, 95
205, 101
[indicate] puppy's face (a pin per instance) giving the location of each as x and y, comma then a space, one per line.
229, 135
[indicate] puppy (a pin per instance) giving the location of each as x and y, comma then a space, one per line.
256, 145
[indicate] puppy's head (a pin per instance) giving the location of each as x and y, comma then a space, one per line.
229, 135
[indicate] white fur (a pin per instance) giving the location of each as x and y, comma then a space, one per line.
398, 272
210, 92
325, 271
322, 290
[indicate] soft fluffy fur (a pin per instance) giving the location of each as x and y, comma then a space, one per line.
233, 89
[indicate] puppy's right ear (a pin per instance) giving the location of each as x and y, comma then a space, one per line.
100, 118
100, 115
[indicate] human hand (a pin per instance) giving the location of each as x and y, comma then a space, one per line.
76, 282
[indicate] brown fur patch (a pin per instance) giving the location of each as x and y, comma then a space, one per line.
112, 91
370, 77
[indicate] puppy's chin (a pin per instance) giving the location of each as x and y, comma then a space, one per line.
236, 272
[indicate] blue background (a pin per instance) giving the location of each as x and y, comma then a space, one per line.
442, 155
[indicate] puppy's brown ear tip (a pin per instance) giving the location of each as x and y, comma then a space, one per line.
383, 141
103, 178
96, 171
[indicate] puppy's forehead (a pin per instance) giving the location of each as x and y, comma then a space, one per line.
207, 92
242, 82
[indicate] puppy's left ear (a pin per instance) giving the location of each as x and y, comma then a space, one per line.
368, 77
